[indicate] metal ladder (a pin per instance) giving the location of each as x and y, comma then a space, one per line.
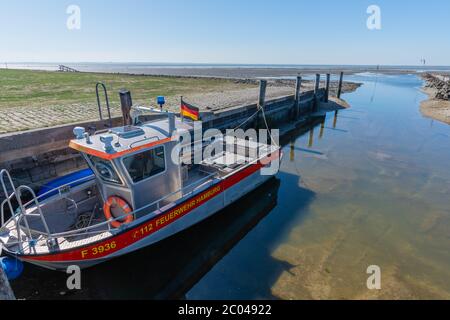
98, 85
21, 214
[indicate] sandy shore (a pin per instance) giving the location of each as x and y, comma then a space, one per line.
434, 108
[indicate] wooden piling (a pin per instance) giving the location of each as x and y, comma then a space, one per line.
298, 87
126, 103
262, 93
261, 101
317, 84
316, 92
327, 89
341, 79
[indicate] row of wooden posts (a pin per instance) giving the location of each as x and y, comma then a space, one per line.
263, 87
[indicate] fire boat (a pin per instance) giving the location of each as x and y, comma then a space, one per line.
136, 194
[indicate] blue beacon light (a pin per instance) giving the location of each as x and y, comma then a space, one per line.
161, 101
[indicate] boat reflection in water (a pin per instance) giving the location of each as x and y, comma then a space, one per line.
166, 270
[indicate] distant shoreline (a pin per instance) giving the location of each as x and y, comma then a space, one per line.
226, 71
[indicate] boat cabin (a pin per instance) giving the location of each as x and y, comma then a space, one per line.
135, 180
134, 162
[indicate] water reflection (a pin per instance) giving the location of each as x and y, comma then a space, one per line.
378, 193
293, 143
166, 270
335, 119
250, 270
311, 138
322, 128
292, 151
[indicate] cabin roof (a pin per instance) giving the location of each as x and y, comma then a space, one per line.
126, 140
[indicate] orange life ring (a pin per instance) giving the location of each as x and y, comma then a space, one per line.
115, 201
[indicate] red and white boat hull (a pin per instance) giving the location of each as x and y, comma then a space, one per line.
169, 222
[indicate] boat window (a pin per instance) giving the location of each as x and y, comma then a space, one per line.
146, 164
105, 170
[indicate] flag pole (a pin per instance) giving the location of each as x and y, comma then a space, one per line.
181, 110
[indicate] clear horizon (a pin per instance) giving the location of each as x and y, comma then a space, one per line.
221, 64
230, 32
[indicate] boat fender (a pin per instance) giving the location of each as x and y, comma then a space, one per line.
13, 267
114, 202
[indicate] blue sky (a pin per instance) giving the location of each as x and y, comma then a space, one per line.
226, 31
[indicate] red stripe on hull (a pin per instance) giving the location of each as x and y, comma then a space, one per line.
107, 247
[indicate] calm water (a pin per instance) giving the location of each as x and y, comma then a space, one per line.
370, 186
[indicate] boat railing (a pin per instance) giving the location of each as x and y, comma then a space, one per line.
108, 108
21, 214
156, 138
35, 199
18, 216
156, 203
37, 205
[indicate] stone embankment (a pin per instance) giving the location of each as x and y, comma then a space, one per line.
440, 85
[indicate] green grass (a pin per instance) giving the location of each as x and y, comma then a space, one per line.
21, 88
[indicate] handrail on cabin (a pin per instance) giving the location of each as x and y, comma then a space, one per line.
97, 86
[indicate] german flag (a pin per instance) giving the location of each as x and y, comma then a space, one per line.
189, 111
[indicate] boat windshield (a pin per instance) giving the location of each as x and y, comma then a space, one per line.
105, 170
144, 165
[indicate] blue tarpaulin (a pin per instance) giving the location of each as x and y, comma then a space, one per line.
71, 180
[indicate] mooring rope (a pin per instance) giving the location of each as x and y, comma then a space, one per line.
248, 119
268, 129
